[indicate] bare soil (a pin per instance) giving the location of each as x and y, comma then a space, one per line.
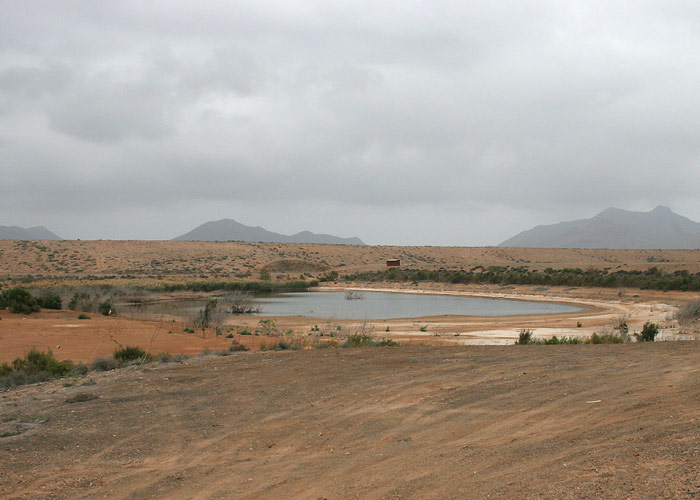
532, 422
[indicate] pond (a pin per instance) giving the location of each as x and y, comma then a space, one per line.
364, 305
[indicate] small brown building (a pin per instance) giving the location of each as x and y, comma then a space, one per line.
393, 263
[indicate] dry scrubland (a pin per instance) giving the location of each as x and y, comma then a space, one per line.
552, 422
428, 421
172, 261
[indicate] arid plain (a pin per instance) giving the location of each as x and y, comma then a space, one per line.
437, 416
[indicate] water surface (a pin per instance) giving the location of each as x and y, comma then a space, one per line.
372, 305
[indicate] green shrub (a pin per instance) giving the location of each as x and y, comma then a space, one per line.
105, 308
83, 316
329, 276
38, 361
36, 366
19, 301
188, 330
649, 332
130, 353
50, 301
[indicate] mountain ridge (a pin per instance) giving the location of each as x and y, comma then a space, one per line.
231, 230
35, 233
615, 228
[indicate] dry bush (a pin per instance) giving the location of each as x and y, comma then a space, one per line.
241, 303
689, 312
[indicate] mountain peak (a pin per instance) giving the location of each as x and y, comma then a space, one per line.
660, 228
231, 230
30, 234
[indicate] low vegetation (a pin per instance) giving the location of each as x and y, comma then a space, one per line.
256, 287
526, 338
19, 301
689, 312
363, 340
648, 333
131, 353
652, 278
50, 301
35, 366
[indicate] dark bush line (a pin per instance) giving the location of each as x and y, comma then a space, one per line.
236, 286
652, 279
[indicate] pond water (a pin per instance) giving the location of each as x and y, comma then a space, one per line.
370, 305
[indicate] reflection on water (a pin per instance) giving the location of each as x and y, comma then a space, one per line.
370, 305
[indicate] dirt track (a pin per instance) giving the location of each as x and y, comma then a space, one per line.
559, 422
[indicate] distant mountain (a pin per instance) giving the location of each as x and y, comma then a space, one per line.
31, 233
615, 228
230, 230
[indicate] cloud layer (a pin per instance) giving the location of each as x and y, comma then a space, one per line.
406, 122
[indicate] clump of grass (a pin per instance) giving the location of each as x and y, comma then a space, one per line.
524, 337
83, 316
104, 364
556, 341
605, 338
363, 340
165, 357
130, 353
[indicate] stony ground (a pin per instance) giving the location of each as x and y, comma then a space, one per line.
557, 422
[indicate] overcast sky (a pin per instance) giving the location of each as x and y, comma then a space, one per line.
443, 123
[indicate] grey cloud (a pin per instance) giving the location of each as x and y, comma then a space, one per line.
466, 110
